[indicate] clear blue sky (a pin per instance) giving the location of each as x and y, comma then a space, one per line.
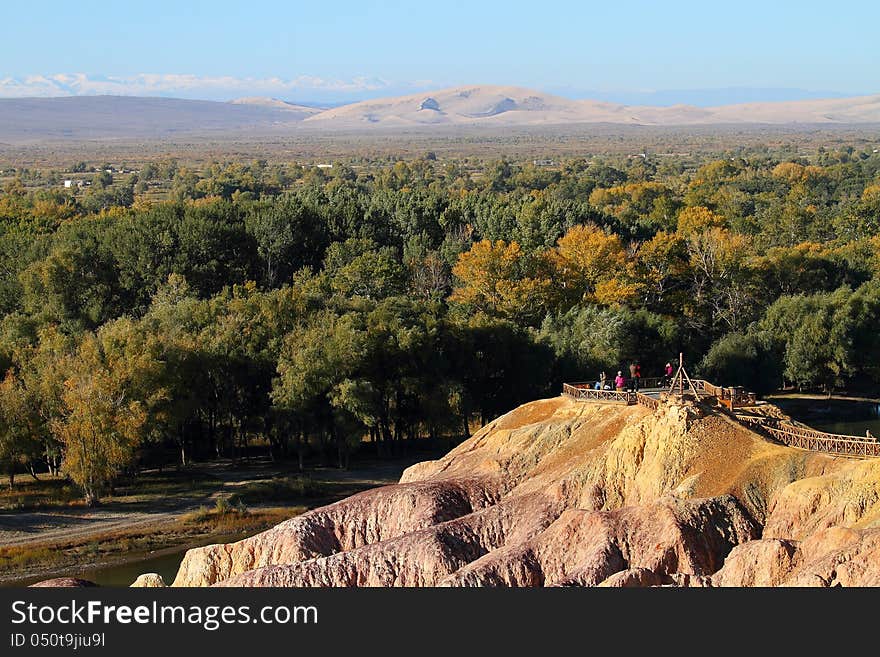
364, 47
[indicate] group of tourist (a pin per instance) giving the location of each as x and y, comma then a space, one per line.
633, 382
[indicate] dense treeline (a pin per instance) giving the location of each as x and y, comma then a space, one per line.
311, 312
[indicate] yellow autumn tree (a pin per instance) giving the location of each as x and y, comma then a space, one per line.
720, 287
591, 265
791, 172
620, 199
787, 269
101, 421
871, 193
662, 266
499, 279
696, 219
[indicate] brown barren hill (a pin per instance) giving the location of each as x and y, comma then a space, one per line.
565, 493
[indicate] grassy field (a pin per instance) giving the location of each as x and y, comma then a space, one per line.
677, 143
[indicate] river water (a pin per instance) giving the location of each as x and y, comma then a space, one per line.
844, 416
164, 562
124, 574
850, 427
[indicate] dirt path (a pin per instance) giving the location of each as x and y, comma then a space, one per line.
52, 527
24, 528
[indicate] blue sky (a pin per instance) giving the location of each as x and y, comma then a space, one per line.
344, 50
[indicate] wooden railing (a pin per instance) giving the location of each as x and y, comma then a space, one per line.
645, 400
709, 388
811, 439
586, 392
732, 397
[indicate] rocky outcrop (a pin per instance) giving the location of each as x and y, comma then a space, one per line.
64, 582
372, 517
836, 556
419, 558
758, 563
585, 548
562, 493
846, 493
148, 580
839, 557
633, 578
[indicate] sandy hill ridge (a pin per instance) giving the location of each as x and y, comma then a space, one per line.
564, 493
276, 103
489, 105
486, 104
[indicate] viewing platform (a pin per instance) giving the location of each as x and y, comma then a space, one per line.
737, 402
649, 390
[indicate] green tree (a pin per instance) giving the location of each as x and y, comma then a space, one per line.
18, 426
741, 359
289, 236
74, 284
358, 268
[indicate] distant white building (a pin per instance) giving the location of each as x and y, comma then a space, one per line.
543, 163
325, 166
68, 184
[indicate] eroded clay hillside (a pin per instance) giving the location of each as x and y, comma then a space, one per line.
559, 492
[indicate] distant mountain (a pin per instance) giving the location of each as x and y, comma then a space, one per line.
124, 117
514, 106
861, 109
129, 117
485, 105
275, 103
698, 97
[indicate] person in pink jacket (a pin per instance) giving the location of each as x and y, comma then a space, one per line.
619, 381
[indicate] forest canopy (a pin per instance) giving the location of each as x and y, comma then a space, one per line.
310, 310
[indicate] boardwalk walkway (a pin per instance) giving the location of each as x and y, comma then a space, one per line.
737, 402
